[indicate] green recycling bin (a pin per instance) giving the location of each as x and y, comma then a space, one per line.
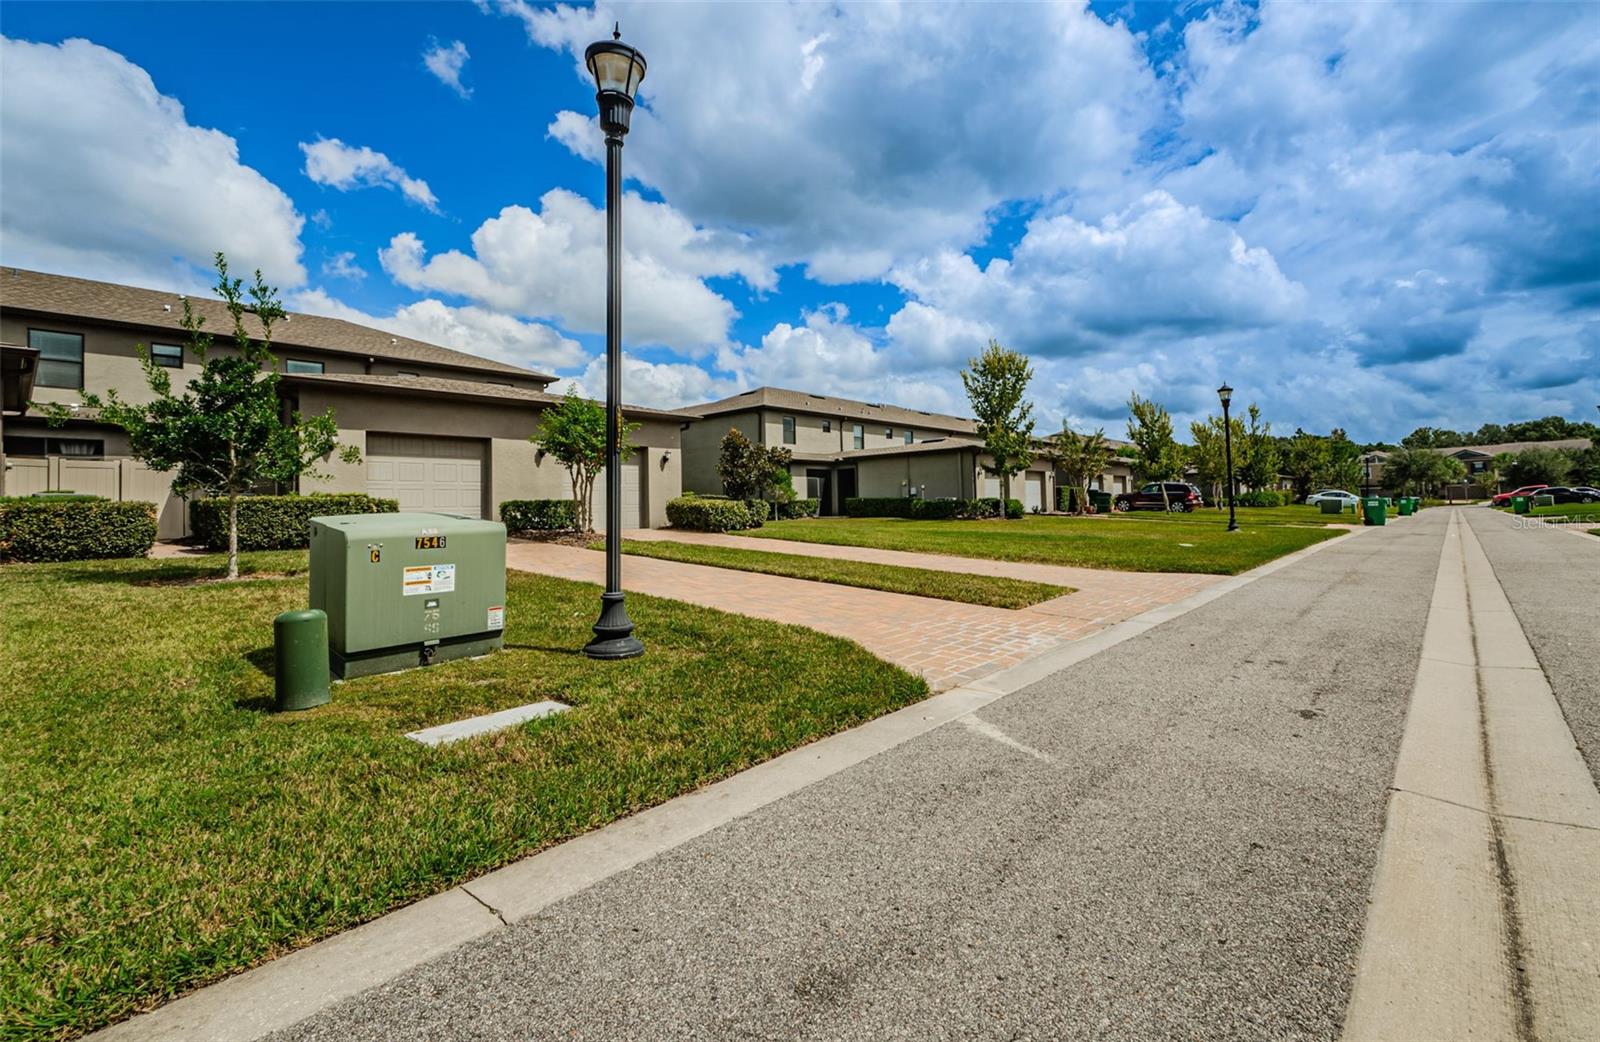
1521, 504
300, 655
1101, 501
1373, 512
1406, 506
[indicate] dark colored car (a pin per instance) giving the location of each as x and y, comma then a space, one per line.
1505, 497
1562, 494
1180, 498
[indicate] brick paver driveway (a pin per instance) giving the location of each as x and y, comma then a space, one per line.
946, 642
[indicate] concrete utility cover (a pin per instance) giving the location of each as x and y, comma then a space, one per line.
444, 734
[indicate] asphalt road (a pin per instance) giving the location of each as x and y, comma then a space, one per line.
1552, 579
1188, 856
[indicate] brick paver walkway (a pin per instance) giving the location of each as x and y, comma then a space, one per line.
946, 642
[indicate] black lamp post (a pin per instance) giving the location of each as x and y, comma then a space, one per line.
1226, 394
617, 70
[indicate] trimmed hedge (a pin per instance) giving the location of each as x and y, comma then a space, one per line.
930, 509
799, 508
538, 515
277, 522
56, 528
1265, 497
704, 514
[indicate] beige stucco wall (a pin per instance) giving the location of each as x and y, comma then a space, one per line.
111, 358
702, 448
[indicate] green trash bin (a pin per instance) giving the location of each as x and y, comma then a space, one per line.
1332, 506
1521, 504
1101, 501
300, 655
1406, 509
1373, 512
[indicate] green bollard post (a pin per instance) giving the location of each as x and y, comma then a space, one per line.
300, 654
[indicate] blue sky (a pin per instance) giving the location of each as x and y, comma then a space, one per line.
1368, 216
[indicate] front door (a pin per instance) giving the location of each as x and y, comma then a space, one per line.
847, 486
825, 486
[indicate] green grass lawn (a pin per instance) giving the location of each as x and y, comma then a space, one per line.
163, 830
990, 590
1128, 544
1294, 514
1569, 513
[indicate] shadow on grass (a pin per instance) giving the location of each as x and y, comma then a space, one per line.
172, 574
546, 650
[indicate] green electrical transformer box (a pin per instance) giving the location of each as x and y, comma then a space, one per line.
404, 590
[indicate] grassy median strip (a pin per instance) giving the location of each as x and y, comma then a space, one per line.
990, 590
163, 830
1125, 544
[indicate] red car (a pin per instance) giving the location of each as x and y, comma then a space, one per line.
1180, 497
1505, 497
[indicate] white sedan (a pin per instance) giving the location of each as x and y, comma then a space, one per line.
1336, 495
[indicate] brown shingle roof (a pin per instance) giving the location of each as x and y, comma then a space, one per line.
1518, 446
846, 408
431, 386
915, 448
66, 296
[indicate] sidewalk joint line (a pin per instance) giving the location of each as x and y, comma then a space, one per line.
1494, 813
492, 910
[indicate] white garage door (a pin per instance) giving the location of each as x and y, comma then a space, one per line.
632, 506
991, 486
433, 474
1034, 492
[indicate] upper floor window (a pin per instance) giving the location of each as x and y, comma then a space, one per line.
788, 430
827, 426
888, 432
168, 355
60, 358
910, 435
300, 365
858, 435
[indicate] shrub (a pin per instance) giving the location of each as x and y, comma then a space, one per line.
705, 514
537, 515
798, 508
276, 522
61, 529
930, 509
1264, 497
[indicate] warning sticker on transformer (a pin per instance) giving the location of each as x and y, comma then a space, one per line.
428, 578
497, 618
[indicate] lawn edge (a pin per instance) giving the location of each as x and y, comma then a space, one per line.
1059, 590
283, 992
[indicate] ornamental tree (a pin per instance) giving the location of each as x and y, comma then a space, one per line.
224, 434
1156, 454
1079, 457
750, 471
1258, 453
574, 432
996, 382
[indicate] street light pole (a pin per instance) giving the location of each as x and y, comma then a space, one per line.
617, 70
1226, 394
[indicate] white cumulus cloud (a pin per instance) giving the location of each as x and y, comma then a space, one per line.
104, 176
446, 62
331, 162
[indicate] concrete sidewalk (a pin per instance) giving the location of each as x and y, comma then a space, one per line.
945, 642
1171, 839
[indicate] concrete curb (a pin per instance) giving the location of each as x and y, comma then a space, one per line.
1484, 919
285, 991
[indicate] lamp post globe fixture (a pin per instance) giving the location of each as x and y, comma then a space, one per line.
1226, 394
617, 70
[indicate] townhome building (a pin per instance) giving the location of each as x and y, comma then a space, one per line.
437, 428
844, 448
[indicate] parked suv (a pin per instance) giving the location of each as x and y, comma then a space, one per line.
1180, 497
1505, 497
